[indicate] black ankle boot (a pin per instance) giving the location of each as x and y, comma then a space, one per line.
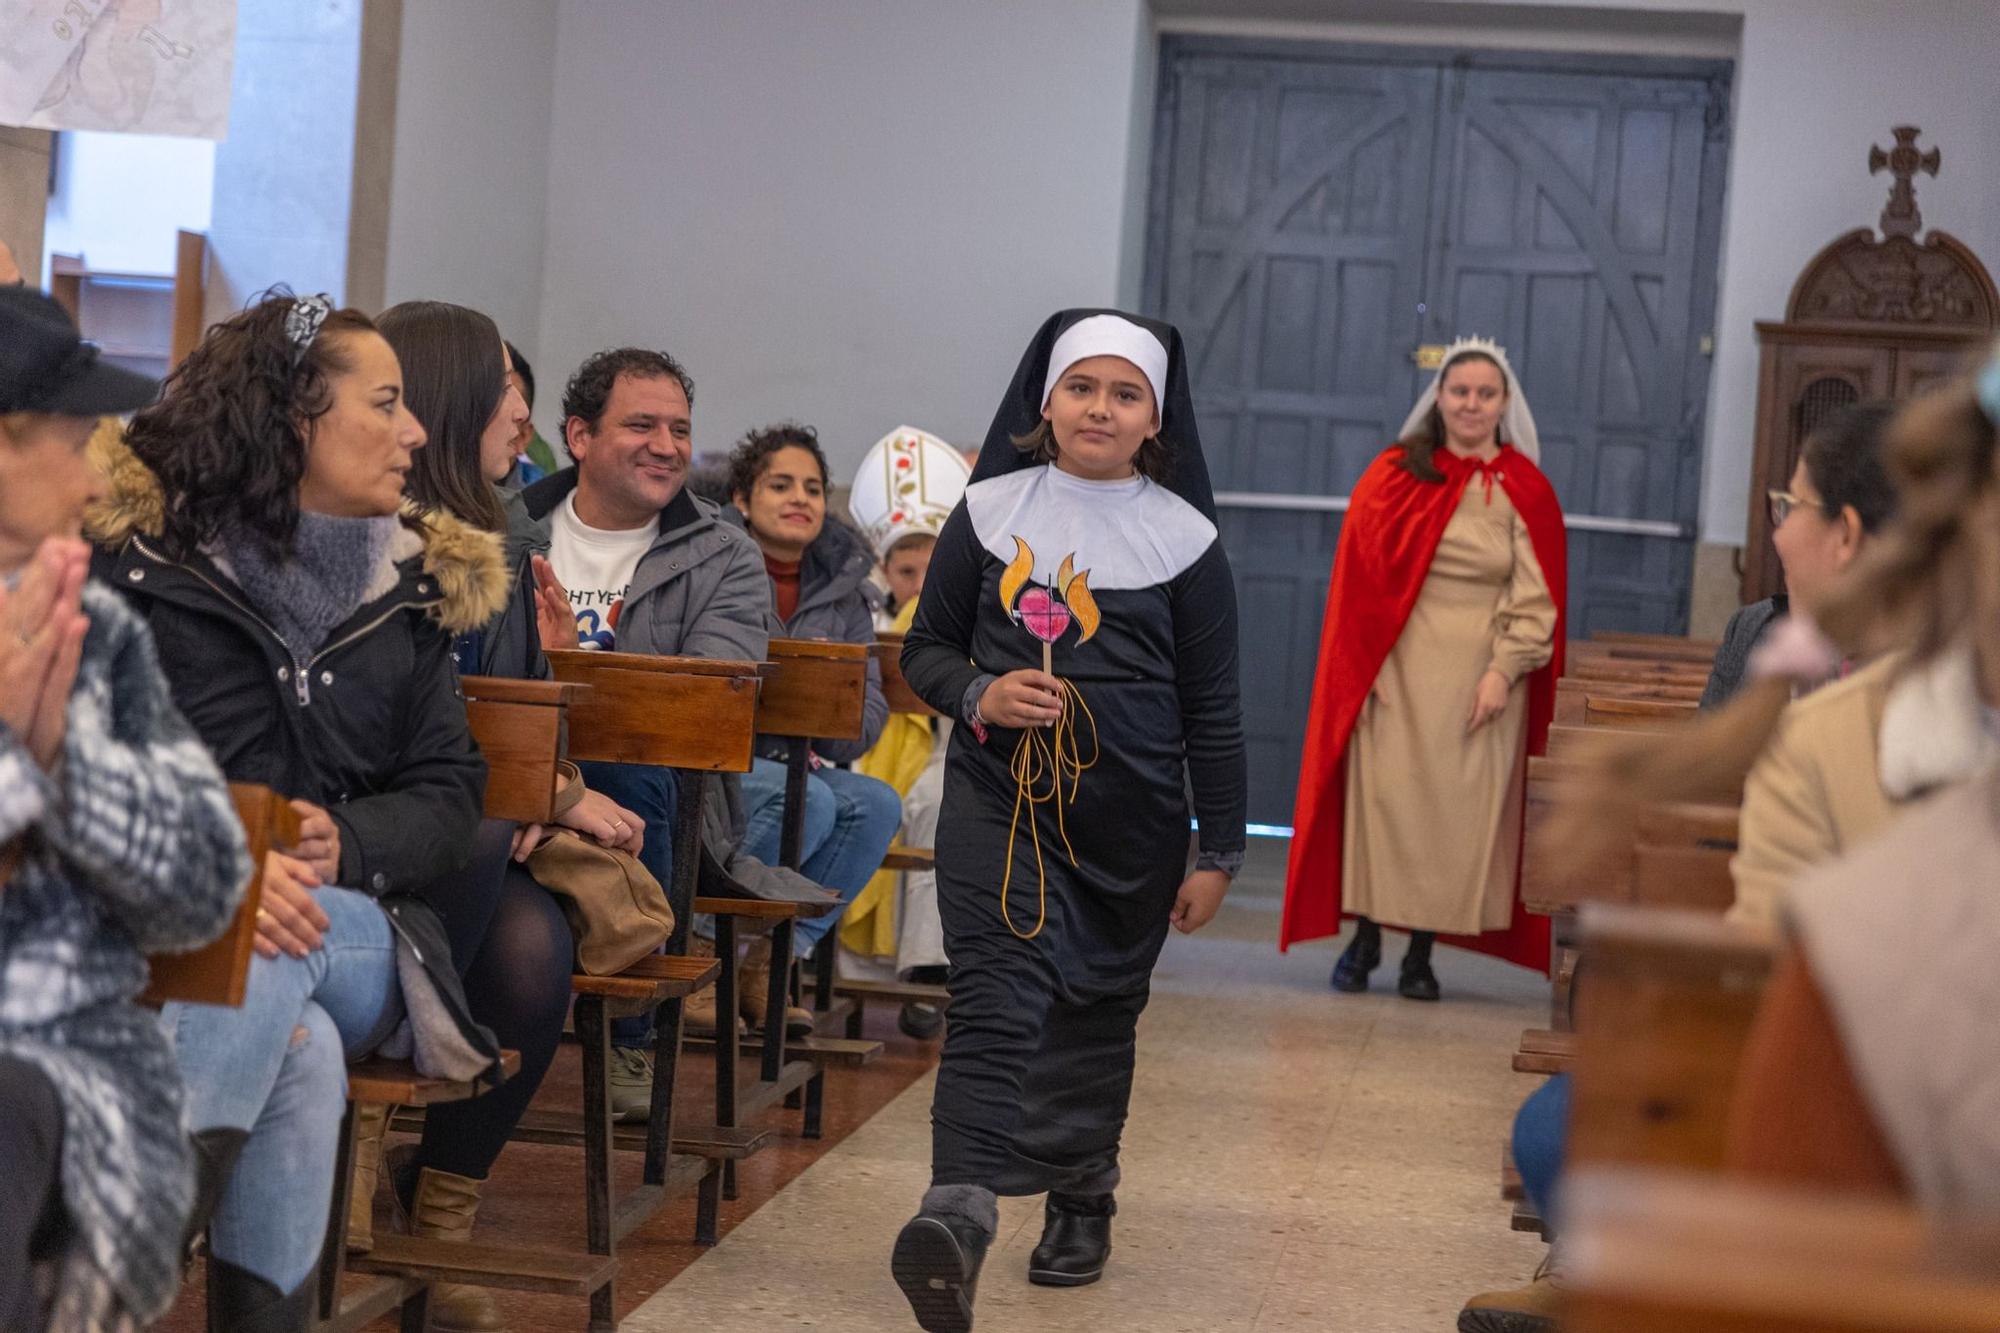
215, 1154
1076, 1241
1362, 956
1418, 982
936, 1263
241, 1302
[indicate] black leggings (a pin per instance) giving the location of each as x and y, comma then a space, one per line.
516, 967
30, 1171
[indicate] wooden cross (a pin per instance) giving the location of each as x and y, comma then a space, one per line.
1900, 217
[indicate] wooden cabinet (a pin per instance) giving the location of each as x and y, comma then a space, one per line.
1870, 317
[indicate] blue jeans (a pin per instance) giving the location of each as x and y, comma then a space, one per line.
850, 822
652, 794
277, 1069
1541, 1141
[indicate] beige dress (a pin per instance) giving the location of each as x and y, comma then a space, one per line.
1434, 815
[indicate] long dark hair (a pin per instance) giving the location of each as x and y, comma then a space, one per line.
1154, 461
1844, 457
1419, 449
227, 440
453, 379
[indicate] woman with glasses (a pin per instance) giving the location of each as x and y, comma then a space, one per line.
1838, 497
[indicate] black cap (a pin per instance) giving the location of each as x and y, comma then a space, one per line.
46, 367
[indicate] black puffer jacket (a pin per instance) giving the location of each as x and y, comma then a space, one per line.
374, 730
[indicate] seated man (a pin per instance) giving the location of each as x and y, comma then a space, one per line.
648, 568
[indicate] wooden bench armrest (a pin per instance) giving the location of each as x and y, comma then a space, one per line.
654, 977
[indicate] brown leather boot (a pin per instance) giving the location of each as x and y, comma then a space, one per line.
442, 1207
371, 1122
698, 1010
753, 991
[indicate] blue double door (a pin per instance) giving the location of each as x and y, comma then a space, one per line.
1320, 214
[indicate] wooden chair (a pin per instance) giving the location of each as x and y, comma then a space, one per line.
696, 716
1656, 1251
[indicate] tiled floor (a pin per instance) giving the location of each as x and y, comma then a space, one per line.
1295, 1160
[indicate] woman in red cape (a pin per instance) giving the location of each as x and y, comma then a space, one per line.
1438, 660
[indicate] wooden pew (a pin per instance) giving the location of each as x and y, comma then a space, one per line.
696, 716
1655, 1251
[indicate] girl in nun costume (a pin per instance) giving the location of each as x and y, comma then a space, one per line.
1438, 660
1080, 617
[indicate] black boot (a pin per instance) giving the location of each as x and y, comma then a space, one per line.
241, 1302
1418, 982
1076, 1240
938, 1256
215, 1154
1363, 955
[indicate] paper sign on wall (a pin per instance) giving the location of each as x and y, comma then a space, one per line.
132, 66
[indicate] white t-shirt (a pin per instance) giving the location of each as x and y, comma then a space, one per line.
595, 566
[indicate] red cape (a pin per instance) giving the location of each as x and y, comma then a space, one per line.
1394, 523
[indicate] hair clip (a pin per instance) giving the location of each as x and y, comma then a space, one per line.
303, 321
1989, 391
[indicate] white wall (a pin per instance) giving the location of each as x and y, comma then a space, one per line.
98, 177
851, 214
284, 178
469, 193
854, 213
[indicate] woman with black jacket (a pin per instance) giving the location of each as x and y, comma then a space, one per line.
305, 630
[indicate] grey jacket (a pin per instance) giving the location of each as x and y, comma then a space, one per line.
837, 605
700, 591
1732, 659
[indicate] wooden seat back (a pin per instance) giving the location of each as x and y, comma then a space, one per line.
1636, 714
902, 699
1650, 1252
521, 727
217, 972
815, 690
1665, 1001
671, 712
1573, 694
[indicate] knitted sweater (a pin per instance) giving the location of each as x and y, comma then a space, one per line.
132, 846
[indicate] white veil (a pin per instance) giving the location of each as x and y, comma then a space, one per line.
1517, 423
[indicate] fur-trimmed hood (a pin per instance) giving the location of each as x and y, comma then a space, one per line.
469, 563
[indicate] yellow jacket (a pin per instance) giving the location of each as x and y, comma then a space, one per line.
898, 758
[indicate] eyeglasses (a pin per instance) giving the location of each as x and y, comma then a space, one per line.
1782, 504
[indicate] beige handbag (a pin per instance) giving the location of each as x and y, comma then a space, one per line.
616, 909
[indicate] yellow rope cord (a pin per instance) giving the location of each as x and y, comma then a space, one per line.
1043, 761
